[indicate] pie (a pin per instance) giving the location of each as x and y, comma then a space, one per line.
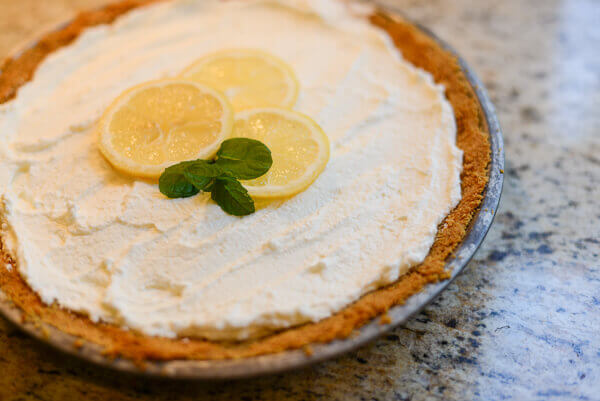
104, 257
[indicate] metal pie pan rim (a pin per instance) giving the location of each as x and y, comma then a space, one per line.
295, 359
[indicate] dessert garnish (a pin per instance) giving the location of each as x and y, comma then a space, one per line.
237, 158
299, 147
250, 78
158, 123
172, 128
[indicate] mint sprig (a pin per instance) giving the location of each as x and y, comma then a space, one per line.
237, 159
244, 158
232, 197
174, 184
201, 174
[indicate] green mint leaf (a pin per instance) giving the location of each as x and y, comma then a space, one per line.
200, 173
210, 186
244, 158
232, 197
173, 184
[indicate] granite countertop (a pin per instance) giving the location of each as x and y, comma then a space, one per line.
523, 319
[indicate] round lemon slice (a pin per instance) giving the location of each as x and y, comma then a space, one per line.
159, 123
249, 78
299, 147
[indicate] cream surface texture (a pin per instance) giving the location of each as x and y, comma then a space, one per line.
113, 247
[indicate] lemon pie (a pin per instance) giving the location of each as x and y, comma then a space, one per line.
379, 161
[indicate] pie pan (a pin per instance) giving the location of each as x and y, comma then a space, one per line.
293, 359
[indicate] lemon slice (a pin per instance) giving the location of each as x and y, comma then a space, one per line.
299, 147
249, 78
156, 124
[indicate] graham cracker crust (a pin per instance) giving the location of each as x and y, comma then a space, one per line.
472, 138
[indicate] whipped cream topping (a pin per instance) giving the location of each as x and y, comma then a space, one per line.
113, 247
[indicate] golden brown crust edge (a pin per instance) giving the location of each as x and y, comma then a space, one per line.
472, 138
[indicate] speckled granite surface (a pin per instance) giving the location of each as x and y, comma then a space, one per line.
523, 320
